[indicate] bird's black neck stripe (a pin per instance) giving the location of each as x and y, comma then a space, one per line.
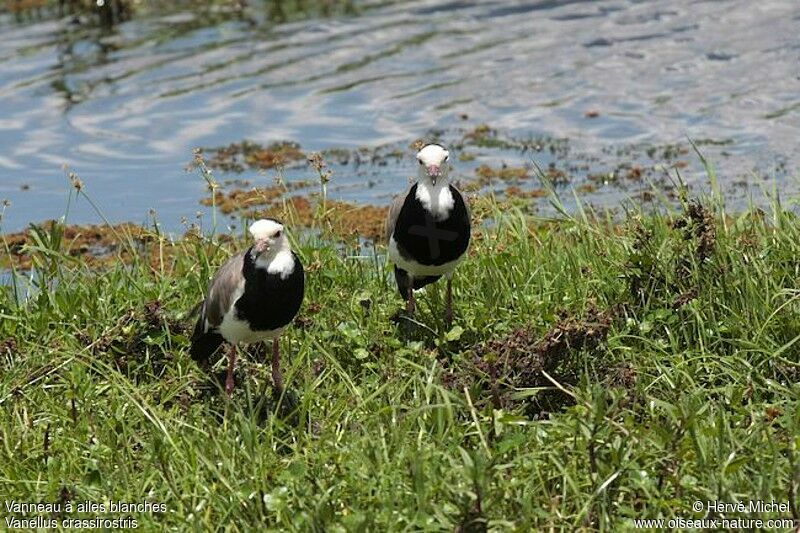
268, 301
422, 238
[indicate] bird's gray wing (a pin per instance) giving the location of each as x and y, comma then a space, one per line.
466, 206
222, 290
394, 212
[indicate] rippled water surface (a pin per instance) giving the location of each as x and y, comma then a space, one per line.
124, 107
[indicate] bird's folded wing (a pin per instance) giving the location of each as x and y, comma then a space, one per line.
394, 212
223, 289
466, 206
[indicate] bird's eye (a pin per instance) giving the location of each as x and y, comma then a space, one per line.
447, 157
278, 234
420, 161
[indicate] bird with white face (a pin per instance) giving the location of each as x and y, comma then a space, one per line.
428, 229
252, 298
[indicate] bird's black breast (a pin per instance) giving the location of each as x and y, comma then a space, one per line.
427, 241
269, 302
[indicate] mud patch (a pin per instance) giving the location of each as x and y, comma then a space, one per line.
351, 221
492, 162
238, 157
337, 219
516, 192
242, 200
484, 136
93, 244
505, 173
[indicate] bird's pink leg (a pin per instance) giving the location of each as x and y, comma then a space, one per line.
277, 377
231, 363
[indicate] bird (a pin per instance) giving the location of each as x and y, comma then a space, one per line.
252, 298
428, 229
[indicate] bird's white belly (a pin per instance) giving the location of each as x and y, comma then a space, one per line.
417, 269
235, 330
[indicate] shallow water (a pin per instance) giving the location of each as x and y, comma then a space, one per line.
124, 107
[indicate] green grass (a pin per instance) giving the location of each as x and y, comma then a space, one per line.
670, 357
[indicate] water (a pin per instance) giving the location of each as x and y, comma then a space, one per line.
124, 107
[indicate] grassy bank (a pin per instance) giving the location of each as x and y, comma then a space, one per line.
600, 371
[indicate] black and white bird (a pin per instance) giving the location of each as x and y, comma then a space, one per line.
252, 298
428, 229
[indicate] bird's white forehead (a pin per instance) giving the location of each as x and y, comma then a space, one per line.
262, 229
433, 154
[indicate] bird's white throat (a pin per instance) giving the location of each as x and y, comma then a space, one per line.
279, 260
436, 199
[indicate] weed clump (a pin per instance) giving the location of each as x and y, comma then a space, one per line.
8, 350
699, 226
623, 375
520, 359
138, 345
571, 333
154, 313
669, 276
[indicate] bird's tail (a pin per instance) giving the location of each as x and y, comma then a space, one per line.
204, 346
204, 343
404, 281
